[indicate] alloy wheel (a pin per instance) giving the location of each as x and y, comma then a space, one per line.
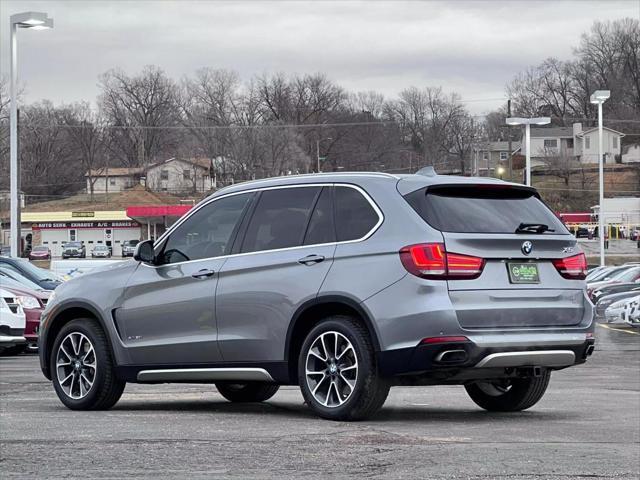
76, 365
331, 369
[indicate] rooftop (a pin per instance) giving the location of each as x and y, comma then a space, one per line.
551, 132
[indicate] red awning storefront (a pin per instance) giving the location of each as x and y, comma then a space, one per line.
156, 217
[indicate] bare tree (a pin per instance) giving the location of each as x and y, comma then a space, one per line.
85, 132
142, 111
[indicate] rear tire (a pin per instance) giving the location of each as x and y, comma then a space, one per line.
102, 389
347, 385
514, 396
247, 392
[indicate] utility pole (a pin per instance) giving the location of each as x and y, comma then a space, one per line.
510, 147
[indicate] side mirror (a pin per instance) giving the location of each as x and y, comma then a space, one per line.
144, 252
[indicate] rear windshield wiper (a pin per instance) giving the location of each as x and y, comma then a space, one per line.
533, 228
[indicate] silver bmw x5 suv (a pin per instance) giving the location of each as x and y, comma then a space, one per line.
343, 284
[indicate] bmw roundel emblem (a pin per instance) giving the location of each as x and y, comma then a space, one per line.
527, 247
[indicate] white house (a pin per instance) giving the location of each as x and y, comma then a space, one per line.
586, 149
178, 176
112, 179
574, 142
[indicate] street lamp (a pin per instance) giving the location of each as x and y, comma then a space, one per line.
33, 21
500, 172
527, 122
599, 97
318, 150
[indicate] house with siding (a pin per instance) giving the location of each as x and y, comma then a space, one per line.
573, 142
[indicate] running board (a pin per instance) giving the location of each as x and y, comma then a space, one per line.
205, 374
539, 358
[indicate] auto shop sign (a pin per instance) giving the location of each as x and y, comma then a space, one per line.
58, 225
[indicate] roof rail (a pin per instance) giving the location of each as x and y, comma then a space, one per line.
427, 171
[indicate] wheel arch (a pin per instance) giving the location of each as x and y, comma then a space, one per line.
67, 313
312, 312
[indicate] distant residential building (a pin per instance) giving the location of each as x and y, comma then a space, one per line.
173, 175
180, 176
573, 142
491, 154
112, 179
587, 144
5, 199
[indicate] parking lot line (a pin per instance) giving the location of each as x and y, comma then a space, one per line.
618, 329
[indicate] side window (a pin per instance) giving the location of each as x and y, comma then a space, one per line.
207, 232
355, 216
321, 229
280, 219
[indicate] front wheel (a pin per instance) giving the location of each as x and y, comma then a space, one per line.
82, 368
509, 395
247, 392
337, 371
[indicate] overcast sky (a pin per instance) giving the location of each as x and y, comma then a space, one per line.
471, 47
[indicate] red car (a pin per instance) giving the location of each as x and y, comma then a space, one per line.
40, 253
33, 303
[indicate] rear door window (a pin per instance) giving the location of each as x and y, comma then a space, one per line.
355, 216
321, 228
482, 210
280, 219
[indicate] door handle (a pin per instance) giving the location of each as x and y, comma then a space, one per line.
311, 259
204, 273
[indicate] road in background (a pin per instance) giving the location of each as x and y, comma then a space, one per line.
588, 425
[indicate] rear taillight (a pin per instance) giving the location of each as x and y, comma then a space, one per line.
573, 268
431, 260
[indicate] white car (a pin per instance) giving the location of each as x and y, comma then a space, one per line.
100, 251
12, 322
631, 312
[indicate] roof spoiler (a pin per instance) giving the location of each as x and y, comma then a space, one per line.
427, 172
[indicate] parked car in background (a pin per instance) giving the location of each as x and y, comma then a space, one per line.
593, 272
40, 253
33, 303
604, 273
100, 251
343, 284
129, 247
74, 250
582, 232
606, 301
631, 313
628, 275
12, 323
45, 279
611, 288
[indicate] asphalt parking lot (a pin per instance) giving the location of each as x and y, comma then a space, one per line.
587, 426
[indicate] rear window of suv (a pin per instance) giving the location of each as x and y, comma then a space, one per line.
482, 209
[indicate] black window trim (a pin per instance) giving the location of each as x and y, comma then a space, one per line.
159, 243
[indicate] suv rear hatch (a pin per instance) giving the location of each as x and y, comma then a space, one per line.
531, 270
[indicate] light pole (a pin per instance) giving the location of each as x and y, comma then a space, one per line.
599, 97
318, 150
527, 122
500, 172
33, 21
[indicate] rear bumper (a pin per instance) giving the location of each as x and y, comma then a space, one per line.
493, 351
10, 340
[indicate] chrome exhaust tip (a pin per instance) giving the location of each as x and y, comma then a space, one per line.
452, 356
